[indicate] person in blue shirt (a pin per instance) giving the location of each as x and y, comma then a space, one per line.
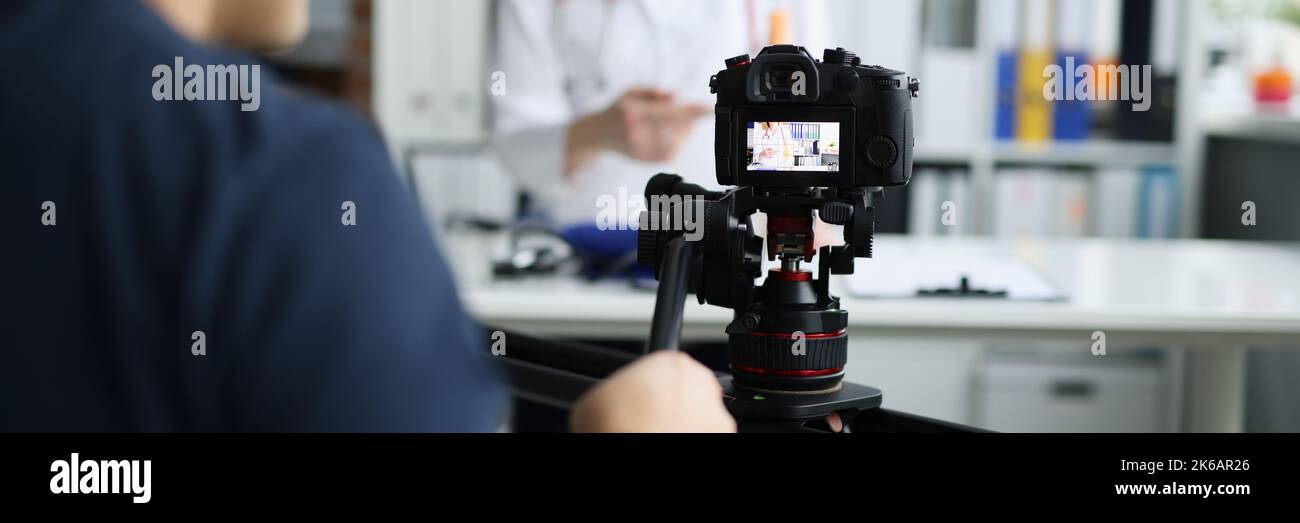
181, 257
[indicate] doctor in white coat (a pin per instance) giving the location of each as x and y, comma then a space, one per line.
603, 94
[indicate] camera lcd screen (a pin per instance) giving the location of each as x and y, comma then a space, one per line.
793, 146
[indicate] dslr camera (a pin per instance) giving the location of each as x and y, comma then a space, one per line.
799, 140
787, 120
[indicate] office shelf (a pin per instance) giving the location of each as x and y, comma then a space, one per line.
1257, 126
1090, 153
984, 156
930, 155
1086, 153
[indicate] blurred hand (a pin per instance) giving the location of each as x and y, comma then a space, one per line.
665, 391
643, 124
648, 125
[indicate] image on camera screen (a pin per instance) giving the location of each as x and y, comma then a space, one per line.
793, 146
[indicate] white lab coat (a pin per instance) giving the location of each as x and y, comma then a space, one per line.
558, 67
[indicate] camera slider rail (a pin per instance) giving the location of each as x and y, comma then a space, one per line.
556, 373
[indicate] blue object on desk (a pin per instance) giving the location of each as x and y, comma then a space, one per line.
590, 240
601, 250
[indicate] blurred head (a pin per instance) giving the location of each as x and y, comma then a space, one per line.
255, 25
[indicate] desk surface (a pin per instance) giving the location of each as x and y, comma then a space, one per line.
1174, 291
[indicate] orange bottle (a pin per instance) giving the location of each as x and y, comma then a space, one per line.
781, 32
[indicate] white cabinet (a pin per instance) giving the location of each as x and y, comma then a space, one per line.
926, 377
1086, 394
1034, 389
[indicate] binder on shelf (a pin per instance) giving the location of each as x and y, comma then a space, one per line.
958, 191
1158, 202
1149, 36
1006, 35
1036, 201
1165, 27
1021, 197
930, 190
1072, 116
1034, 111
923, 209
1103, 50
1115, 207
1070, 204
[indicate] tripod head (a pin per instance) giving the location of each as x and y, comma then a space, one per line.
789, 334
800, 140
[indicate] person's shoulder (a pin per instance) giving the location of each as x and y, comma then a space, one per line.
321, 128
306, 134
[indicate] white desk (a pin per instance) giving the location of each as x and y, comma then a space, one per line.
1214, 298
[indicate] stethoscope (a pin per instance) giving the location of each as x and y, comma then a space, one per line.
582, 81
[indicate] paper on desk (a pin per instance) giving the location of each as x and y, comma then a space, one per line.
903, 272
